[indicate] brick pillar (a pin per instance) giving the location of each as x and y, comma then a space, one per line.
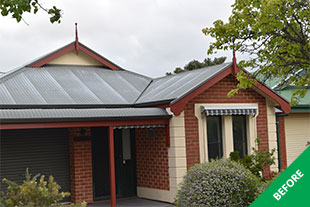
282, 142
81, 178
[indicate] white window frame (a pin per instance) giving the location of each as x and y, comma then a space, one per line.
227, 130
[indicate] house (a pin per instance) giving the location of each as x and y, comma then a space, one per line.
105, 133
293, 129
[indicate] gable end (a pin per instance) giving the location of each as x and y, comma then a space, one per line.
65, 56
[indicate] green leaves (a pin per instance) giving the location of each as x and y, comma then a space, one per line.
218, 183
257, 161
244, 82
18, 7
276, 35
55, 14
33, 192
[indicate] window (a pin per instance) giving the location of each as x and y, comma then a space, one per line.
224, 128
240, 134
214, 133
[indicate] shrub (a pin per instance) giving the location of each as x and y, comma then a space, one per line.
32, 193
218, 183
256, 161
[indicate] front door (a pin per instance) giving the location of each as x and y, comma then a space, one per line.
125, 163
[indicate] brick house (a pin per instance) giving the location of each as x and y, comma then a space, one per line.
105, 133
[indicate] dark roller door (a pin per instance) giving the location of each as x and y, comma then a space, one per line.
44, 151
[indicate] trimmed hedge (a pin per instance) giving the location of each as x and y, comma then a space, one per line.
218, 183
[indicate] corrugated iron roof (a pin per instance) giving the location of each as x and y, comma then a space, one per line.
287, 93
71, 85
179, 85
68, 85
13, 115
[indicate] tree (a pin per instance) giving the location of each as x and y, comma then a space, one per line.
195, 64
276, 35
18, 7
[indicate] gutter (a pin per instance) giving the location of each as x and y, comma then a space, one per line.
73, 119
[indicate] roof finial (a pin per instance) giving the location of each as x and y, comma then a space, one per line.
234, 61
76, 40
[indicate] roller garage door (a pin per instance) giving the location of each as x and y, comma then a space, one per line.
44, 151
297, 134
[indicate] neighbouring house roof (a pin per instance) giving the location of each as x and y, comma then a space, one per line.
39, 115
287, 91
303, 103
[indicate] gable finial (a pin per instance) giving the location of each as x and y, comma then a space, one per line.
76, 40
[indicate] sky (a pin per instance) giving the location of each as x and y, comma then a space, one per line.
150, 37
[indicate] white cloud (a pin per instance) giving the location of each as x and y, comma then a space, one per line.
149, 37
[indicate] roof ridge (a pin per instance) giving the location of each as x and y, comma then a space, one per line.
12, 73
137, 74
227, 65
189, 71
47, 54
143, 91
219, 68
106, 59
19, 69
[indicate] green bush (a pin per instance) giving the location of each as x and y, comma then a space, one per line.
32, 193
257, 161
218, 183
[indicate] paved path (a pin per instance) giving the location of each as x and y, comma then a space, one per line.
134, 202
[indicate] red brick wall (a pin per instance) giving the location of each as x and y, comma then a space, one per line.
152, 159
218, 94
282, 142
81, 178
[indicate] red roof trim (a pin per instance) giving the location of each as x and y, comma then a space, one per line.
163, 106
69, 48
179, 106
52, 56
42, 125
285, 106
98, 58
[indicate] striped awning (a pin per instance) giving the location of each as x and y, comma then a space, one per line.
139, 126
228, 110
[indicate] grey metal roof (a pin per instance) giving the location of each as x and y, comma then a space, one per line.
11, 115
177, 86
68, 86
71, 85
